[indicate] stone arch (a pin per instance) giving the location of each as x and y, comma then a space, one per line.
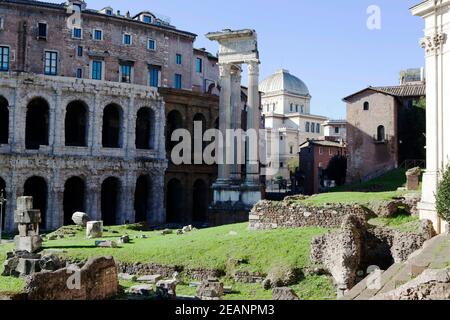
37, 124
112, 126
145, 129
74, 198
4, 120
37, 188
174, 122
76, 124
174, 201
110, 195
143, 199
200, 201
3, 193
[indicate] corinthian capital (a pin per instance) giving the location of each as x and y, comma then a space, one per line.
225, 69
433, 44
253, 68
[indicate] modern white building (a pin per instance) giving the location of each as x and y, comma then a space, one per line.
436, 14
335, 130
287, 114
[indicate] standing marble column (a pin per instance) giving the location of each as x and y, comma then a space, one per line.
225, 122
236, 119
253, 123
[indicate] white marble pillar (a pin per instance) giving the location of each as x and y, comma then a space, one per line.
236, 119
225, 122
253, 124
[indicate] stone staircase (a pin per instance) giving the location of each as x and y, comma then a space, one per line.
435, 254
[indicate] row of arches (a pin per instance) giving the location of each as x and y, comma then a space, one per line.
75, 198
175, 201
76, 125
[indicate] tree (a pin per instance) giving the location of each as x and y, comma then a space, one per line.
293, 165
337, 169
443, 196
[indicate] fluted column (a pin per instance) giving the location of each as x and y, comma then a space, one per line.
236, 119
225, 122
253, 123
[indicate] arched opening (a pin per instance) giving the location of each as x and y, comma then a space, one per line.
174, 122
174, 201
75, 124
199, 119
3, 193
74, 198
37, 120
145, 129
36, 187
381, 134
142, 199
110, 201
200, 201
112, 118
366, 106
4, 121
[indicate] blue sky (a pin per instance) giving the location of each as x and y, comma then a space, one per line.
325, 43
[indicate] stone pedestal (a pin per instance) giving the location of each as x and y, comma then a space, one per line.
29, 243
412, 178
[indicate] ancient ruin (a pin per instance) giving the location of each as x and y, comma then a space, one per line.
27, 220
236, 192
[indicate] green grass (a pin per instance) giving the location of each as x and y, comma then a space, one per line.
310, 288
379, 189
401, 222
208, 248
9, 284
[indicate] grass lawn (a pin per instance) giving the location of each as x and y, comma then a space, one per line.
9, 284
401, 222
379, 189
211, 248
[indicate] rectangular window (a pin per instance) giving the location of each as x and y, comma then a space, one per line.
312, 127
291, 149
4, 58
127, 40
307, 127
336, 130
98, 35
125, 73
330, 151
2, 23
178, 59
178, 81
199, 65
80, 51
77, 33
151, 44
154, 76
51, 60
320, 150
97, 70
318, 128
42, 31
109, 12
79, 73
147, 19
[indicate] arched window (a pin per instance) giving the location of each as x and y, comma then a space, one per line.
4, 121
75, 124
36, 187
37, 120
110, 196
174, 201
381, 134
174, 122
366, 106
143, 199
111, 134
200, 201
74, 198
145, 129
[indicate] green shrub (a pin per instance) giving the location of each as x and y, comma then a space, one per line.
443, 196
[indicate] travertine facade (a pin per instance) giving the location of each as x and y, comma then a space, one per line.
82, 121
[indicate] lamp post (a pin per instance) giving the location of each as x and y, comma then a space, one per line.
2, 202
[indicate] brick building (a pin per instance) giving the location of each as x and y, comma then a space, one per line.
315, 156
84, 99
383, 129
